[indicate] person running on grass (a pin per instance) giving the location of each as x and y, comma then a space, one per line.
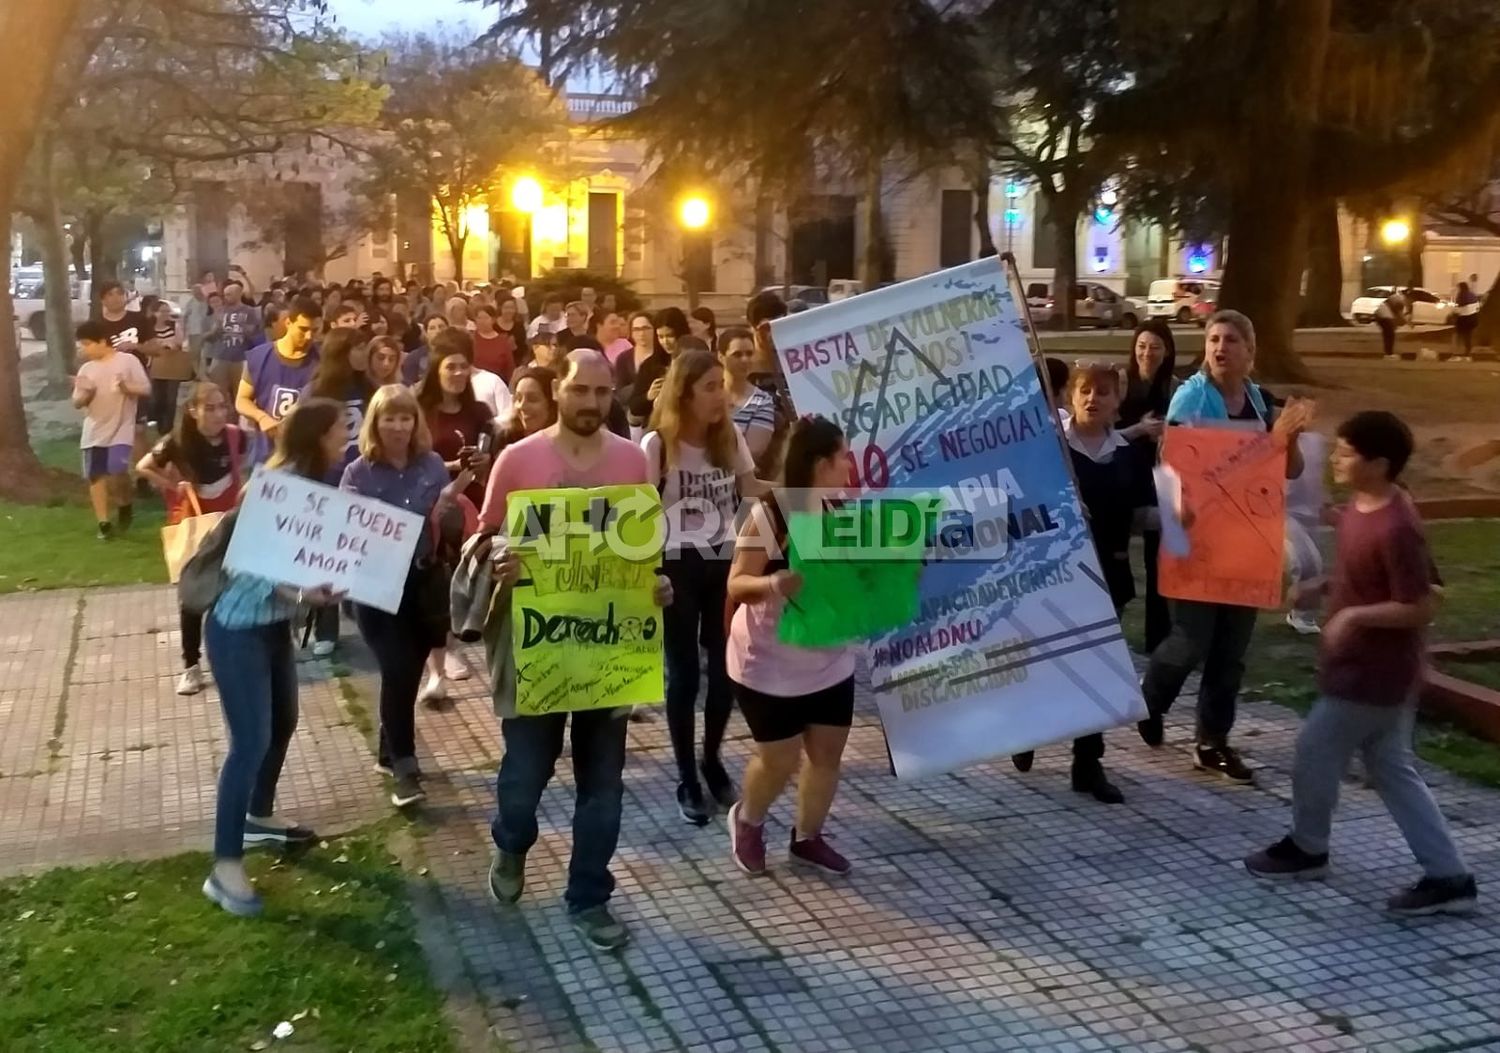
796, 700
576, 451
200, 461
397, 465
249, 636
703, 468
108, 388
1370, 672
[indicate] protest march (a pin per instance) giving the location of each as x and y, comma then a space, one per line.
897, 488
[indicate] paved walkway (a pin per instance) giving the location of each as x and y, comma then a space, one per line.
989, 910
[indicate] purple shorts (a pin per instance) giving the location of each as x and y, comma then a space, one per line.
100, 461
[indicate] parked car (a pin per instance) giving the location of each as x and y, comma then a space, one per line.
1093, 304
1425, 308
1173, 298
843, 288
1136, 311
812, 295
1205, 307
29, 302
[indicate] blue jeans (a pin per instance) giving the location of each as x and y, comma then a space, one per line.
532, 746
257, 678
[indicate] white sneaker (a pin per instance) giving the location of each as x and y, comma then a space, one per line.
1303, 623
435, 690
191, 681
455, 668
323, 648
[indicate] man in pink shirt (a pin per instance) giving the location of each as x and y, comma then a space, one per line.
577, 451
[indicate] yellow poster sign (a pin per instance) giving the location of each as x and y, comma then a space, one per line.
587, 633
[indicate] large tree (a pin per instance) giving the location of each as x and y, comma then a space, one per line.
770, 95
1304, 102
456, 114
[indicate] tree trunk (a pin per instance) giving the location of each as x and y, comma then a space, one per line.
456, 240
60, 343
1063, 211
765, 219
872, 263
1270, 204
1487, 331
31, 38
1324, 304
99, 268
982, 208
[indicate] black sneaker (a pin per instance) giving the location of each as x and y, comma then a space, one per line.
259, 834
408, 790
1151, 730
718, 783
691, 805
1453, 895
1284, 861
1090, 779
507, 877
1223, 760
1023, 761
600, 929
125, 516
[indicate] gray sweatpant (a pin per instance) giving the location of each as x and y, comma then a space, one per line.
1333, 731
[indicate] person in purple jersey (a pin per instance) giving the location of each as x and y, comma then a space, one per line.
275, 375
240, 328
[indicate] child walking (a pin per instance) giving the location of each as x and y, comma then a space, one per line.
1369, 671
108, 387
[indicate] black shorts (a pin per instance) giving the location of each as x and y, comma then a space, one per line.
773, 718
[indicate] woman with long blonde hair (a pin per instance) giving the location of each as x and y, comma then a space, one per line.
397, 465
702, 468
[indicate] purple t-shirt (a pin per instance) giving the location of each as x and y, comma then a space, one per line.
278, 385
241, 329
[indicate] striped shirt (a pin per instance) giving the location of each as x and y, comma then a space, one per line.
249, 601
757, 411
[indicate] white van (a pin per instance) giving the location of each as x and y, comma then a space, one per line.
29, 301
843, 288
1173, 298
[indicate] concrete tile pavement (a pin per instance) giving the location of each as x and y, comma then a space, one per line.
988, 911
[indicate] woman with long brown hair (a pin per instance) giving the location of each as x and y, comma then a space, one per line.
703, 468
248, 631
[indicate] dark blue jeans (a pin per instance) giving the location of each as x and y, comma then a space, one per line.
257, 678
532, 746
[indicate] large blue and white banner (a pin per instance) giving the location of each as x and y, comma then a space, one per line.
1016, 643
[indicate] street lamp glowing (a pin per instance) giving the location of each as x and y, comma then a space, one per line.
694, 212
1395, 231
526, 195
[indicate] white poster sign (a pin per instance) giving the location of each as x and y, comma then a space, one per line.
298, 532
936, 387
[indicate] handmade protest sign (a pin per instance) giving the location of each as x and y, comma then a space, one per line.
860, 566
587, 632
1234, 491
298, 532
1015, 642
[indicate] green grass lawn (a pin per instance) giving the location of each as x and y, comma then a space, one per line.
53, 547
1281, 666
131, 957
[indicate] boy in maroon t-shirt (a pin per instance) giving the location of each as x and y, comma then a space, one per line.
1380, 600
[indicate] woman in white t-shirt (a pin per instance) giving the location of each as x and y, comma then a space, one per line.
703, 468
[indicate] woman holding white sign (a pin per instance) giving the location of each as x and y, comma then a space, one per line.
702, 467
249, 636
796, 700
397, 465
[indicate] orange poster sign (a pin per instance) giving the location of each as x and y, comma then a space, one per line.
1234, 487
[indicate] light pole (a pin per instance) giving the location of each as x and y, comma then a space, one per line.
694, 213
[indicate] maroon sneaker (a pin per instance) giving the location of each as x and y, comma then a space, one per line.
816, 852
747, 844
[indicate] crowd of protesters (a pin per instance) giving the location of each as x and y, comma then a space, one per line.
444, 402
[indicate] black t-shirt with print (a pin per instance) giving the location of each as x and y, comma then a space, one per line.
130, 328
207, 465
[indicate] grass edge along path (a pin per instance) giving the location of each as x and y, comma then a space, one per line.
132, 957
